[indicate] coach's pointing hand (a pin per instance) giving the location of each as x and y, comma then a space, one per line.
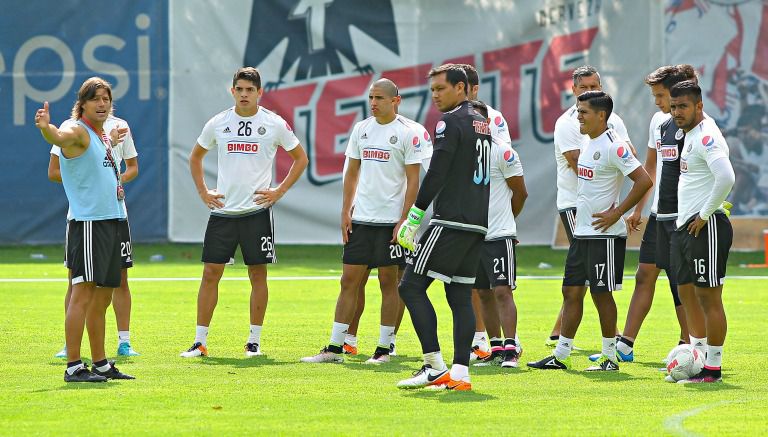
211, 199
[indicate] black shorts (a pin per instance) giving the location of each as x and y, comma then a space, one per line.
126, 250
568, 217
370, 245
702, 260
446, 254
93, 252
254, 233
497, 265
596, 262
648, 245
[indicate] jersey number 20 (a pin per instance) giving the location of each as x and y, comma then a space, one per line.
483, 171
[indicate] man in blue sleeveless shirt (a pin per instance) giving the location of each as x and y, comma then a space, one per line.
95, 193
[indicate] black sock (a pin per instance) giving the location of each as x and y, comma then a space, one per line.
413, 291
713, 372
496, 343
509, 342
335, 349
101, 363
459, 298
627, 342
681, 341
74, 363
554, 337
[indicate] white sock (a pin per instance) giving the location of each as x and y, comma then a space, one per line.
103, 368
479, 339
123, 337
385, 335
623, 347
609, 347
459, 372
517, 341
394, 339
255, 334
700, 344
75, 368
201, 335
435, 360
714, 357
338, 333
563, 348
350, 340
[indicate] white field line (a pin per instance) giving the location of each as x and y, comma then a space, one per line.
674, 424
308, 278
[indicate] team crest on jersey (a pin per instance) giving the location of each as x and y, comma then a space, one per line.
690, 147
375, 154
669, 152
610, 126
586, 173
623, 152
679, 134
683, 165
596, 156
498, 121
242, 147
440, 127
509, 156
393, 140
262, 130
707, 141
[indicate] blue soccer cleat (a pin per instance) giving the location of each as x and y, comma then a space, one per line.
125, 350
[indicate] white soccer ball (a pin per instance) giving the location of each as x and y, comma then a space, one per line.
684, 362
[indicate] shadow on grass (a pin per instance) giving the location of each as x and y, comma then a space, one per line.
611, 376
244, 363
448, 396
393, 366
79, 386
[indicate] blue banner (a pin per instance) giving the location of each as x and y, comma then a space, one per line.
46, 52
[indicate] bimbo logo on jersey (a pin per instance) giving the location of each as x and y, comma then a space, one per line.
242, 147
669, 152
586, 173
374, 154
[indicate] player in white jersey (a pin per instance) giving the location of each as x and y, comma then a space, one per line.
124, 150
568, 142
487, 323
654, 250
703, 229
596, 256
497, 267
247, 137
381, 181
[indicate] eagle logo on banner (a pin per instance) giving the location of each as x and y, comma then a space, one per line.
318, 33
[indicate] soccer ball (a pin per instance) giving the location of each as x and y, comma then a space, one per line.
684, 362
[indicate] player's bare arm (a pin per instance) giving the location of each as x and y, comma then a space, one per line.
54, 171
641, 184
351, 177
131, 170
634, 220
73, 141
270, 196
572, 156
211, 198
411, 191
519, 193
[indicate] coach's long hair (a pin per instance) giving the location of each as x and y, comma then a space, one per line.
87, 92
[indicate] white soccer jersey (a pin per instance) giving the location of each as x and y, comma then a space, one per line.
499, 127
383, 150
704, 144
246, 150
603, 164
505, 163
125, 149
426, 141
568, 137
654, 142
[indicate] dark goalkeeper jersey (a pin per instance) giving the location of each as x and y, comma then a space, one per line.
459, 173
671, 149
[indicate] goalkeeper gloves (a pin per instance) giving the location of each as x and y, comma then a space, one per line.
727, 208
406, 235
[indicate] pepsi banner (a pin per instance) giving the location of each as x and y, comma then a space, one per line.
46, 51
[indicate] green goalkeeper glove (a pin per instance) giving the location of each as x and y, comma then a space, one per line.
406, 235
727, 208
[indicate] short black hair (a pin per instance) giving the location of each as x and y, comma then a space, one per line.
248, 73
686, 88
585, 71
453, 74
472, 76
598, 100
480, 107
669, 75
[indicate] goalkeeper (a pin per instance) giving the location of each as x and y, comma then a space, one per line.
458, 183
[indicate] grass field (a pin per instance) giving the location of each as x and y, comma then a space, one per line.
228, 394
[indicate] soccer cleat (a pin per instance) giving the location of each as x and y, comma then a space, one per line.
452, 384
424, 377
380, 356
197, 350
669, 378
392, 351
604, 364
494, 359
620, 357
62, 353
252, 350
349, 349
112, 373
705, 376
553, 343
551, 363
479, 353
125, 350
325, 356
510, 358
83, 375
